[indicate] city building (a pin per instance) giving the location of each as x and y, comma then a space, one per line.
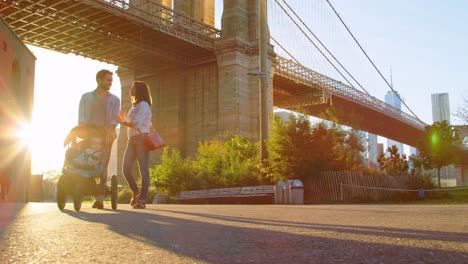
380, 149
393, 98
441, 112
17, 68
440, 107
372, 148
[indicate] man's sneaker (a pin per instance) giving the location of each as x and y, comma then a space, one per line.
98, 205
135, 199
139, 205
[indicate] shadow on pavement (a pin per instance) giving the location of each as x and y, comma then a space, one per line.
223, 239
352, 229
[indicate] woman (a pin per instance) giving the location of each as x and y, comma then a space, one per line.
138, 121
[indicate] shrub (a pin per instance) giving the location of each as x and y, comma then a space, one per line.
151, 193
124, 195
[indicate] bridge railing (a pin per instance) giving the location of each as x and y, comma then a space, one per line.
164, 19
296, 72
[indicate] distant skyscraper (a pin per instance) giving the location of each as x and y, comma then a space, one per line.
440, 107
440, 112
372, 147
380, 149
413, 151
392, 98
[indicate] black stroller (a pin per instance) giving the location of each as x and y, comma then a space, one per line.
83, 165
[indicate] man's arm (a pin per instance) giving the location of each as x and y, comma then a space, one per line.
115, 111
82, 116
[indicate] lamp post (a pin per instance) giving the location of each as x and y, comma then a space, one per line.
263, 76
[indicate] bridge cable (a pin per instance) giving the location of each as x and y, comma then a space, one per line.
285, 50
375, 67
315, 45
297, 16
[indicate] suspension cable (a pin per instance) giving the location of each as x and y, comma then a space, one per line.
315, 45
285, 50
307, 27
375, 67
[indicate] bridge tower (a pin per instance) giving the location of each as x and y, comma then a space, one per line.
201, 10
214, 98
237, 54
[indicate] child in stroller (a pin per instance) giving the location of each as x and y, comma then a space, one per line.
84, 162
85, 159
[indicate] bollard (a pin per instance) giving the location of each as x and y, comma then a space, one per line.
296, 190
287, 193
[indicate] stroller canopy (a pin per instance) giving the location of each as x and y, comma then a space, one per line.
83, 132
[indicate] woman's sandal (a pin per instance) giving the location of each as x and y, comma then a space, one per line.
139, 205
135, 199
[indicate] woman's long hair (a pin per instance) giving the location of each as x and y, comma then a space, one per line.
142, 93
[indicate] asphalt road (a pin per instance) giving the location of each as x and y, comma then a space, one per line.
40, 233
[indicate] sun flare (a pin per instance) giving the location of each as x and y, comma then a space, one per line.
24, 133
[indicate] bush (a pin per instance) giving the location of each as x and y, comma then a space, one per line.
231, 163
124, 195
151, 193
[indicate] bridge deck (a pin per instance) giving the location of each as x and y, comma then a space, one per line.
112, 31
303, 90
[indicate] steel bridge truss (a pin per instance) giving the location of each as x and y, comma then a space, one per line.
296, 72
112, 31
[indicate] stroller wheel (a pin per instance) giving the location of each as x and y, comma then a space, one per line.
77, 198
114, 192
61, 194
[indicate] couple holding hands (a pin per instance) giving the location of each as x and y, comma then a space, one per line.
102, 108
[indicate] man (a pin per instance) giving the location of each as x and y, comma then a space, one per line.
98, 108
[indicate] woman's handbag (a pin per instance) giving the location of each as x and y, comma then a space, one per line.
154, 141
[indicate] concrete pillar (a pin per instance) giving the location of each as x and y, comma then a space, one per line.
237, 55
126, 76
200, 10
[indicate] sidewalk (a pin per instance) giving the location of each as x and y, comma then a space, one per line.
40, 233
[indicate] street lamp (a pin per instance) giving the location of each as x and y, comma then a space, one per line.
263, 77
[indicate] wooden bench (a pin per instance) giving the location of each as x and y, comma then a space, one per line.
236, 192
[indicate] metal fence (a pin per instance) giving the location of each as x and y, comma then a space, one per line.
344, 186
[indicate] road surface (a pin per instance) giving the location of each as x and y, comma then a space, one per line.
40, 233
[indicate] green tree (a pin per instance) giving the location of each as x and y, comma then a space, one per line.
298, 149
290, 148
437, 147
395, 164
462, 112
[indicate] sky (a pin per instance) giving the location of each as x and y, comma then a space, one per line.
420, 46
60, 80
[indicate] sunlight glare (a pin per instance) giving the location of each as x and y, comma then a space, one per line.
24, 134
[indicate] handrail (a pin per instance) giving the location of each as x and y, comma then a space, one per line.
164, 19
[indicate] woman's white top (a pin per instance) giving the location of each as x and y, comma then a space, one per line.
140, 117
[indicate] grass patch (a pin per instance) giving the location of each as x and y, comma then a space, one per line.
444, 196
